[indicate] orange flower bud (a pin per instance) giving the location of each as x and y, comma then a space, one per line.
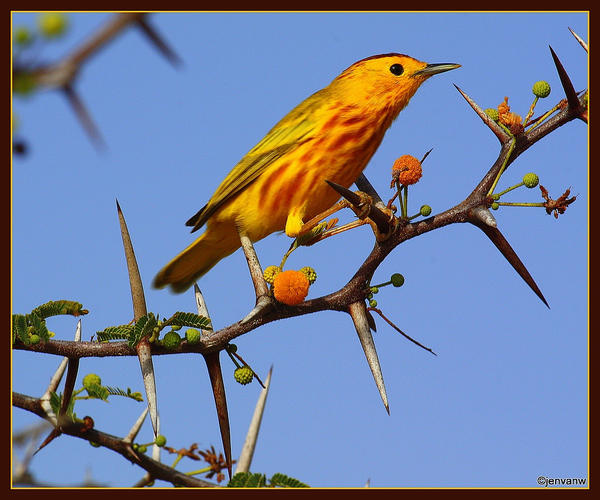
407, 170
290, 287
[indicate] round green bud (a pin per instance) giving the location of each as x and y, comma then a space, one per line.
91, 379
142, 448
22, 36
95, 445
373, 303
160, 441
425, 211
192, 335
52, 24
495, 206
370, 296
531, 180
51, 334
397, 279
243, 375
171, 340
34, 339
495, 197
492, 113
232, 347
541, 89
23, 84
310, 273
374, 289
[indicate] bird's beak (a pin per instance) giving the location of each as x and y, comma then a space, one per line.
434, 69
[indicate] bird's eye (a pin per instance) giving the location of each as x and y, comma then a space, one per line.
396, 69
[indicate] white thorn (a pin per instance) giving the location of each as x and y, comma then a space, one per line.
145, 359
358, 313
55, 380
136, 427
485, 216
243, 463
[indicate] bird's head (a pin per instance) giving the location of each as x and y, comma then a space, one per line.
385, 81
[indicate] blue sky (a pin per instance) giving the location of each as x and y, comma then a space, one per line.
505, 400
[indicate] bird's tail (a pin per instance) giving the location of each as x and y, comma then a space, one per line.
196, 260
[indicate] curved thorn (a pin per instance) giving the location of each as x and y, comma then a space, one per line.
510, 255
216, 379
498, 131
566, 82
245, 459
358, 312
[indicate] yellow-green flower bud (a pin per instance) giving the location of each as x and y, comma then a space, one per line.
531, 180
243, 375
541, 89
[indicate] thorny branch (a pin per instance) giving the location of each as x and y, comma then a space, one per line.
473, 209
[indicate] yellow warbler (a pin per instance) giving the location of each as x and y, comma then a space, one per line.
280, 183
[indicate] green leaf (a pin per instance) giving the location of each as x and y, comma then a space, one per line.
115, 391
247, 480
97, 391
19, 328
143, 328
190, 319
55, 400
39, 326
282, 480
57, 307
121, 332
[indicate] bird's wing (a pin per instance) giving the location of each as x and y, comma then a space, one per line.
297, 127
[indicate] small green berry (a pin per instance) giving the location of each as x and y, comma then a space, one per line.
95, 445
52, 24
142, 448
495, 205
495, 197
51, 334
425, 211
232, 348
192, 335
310, 273
91, 379
541, 89
243, 375
23, 84
160, 441
370, 296
34, 339
22, 36
374, 289
531, 180
397, 279
373, 303
492, 113
171, 340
